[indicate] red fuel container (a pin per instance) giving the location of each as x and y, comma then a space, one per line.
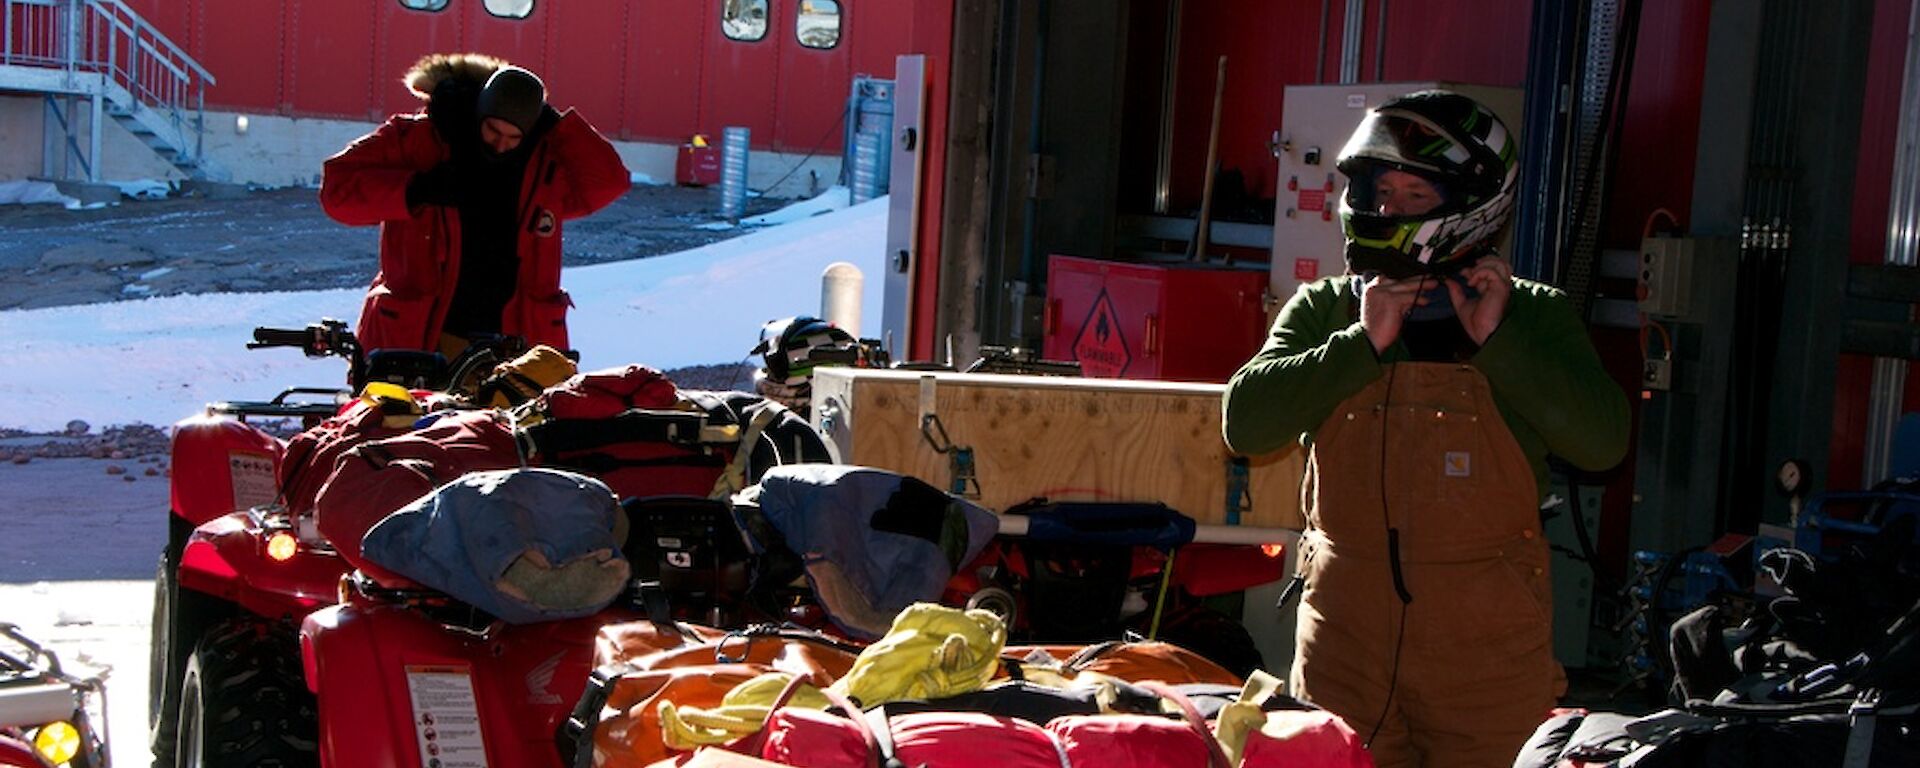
697, 165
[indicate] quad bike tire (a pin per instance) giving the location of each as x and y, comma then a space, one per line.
243, 701
179, 619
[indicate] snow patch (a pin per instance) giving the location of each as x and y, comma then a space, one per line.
144, 189
25, 192
158, 359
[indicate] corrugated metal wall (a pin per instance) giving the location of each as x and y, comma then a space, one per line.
1271, 44
1873, 178
652, 70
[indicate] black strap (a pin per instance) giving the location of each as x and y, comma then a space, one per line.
574, 736
603, 463
1216, 754
637, 425
1290, 591
882, 735
1091, 653
653, 599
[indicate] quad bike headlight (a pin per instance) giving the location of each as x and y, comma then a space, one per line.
57, 742
282, 545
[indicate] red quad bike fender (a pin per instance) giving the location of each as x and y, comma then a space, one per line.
397, 689
221, 464
15, 753
1207, 569
227, 558
1200, 569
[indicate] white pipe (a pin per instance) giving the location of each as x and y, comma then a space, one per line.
840, 287
1889, 384
1016, 525
35, 704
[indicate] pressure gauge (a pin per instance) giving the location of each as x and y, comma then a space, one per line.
1792, 478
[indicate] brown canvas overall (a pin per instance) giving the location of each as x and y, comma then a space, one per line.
1476, 668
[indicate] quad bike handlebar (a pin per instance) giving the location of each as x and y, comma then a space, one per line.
410, 368
321, 339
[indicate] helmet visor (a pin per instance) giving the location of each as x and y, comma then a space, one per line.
1406, 141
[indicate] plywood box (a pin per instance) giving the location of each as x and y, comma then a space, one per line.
1062, 438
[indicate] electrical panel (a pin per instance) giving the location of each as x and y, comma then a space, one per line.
1317, 121
1666, 275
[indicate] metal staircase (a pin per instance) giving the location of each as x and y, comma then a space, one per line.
102, 52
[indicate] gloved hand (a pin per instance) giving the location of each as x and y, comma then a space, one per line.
448, 183
525, 377
451, 109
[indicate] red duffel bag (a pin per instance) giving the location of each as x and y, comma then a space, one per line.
377, 477
930, 739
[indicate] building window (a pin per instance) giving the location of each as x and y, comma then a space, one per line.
424, 5
743, 19
510, 9
817, 25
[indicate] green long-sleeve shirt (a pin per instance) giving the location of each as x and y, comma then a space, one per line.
1545, 376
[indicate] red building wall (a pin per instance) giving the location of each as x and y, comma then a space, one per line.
646, 70
1270, 44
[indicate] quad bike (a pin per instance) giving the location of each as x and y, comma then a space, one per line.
270, 648
238, 572
48, 716
413, 678
1089, 571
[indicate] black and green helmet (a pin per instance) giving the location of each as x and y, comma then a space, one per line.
1451, 141
792, 347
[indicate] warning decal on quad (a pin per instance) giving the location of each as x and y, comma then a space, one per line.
1100, 348
446, 718
253, 481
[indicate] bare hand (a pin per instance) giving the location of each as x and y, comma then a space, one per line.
1384, 304
1492, 277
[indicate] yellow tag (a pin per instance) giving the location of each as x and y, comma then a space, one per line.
376, 391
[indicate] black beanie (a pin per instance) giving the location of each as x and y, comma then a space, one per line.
514, 95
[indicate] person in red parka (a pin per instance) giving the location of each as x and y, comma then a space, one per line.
470, 193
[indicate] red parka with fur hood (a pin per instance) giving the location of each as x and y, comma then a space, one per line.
571, 171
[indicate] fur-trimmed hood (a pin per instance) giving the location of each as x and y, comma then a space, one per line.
432, 69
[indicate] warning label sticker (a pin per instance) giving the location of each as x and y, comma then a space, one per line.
446, 717
252, 475
1313, 200
1100, 347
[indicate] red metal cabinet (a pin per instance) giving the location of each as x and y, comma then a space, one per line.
1175, 322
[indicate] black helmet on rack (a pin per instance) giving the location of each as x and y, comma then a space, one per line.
791, 347
1454, 143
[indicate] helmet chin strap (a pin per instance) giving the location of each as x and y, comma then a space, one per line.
1439, 298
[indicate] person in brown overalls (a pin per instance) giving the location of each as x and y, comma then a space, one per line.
1429, 385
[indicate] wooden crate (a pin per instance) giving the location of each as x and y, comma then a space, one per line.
1062, 438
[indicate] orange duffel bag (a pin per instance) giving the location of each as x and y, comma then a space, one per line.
641, 664
1130, 661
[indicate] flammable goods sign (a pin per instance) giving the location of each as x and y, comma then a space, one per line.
1100, 347
446, 717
